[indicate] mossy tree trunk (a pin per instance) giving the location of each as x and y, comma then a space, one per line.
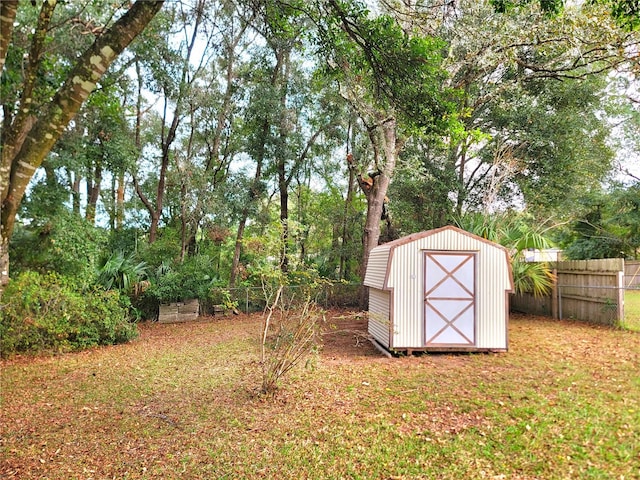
29, 135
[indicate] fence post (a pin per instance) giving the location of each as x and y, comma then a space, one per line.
554, 295
620, 309
560, 302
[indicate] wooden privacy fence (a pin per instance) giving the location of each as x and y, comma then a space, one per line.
632, 274
591, 290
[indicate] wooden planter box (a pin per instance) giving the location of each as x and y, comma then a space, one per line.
179, 311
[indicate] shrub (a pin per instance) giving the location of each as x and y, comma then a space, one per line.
289, 337
65, 244
46, 313
193, 278
121, 273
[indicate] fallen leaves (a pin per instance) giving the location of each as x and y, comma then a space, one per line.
181, 402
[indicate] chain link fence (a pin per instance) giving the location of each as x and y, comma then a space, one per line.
255, 299
599, 304
632, 308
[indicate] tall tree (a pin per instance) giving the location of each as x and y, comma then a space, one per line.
394, 81
209, 141
521, 61
33, 124
177, 70
606, 225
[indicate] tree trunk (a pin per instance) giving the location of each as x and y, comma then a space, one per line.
216, 165
371, 234
385, 143
162, 176
8, 11
184, 235
253, 194
343, 272
75, 194
284, 221
29, 140
4, 262
235, 264
119, 201
253, 191
281, 152
169, 136
93, 193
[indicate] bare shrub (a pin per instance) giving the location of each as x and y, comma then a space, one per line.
290, 335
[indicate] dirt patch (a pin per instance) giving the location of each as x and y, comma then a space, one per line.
345, 336
344, 333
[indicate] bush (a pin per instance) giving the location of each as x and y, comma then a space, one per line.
121, 273
66, 244
182, 281
46, 313
289, 337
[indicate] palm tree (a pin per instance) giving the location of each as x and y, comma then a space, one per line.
516, 233
122, 273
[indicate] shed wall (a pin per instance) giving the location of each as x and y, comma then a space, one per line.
379, 309
377, 267
406, 279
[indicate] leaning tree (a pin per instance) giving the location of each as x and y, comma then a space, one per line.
35, 115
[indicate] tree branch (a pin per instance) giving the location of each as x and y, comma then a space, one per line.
80, 82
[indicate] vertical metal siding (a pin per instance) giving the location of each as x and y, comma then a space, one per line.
406, 280
379, 315
377, 267
493, 281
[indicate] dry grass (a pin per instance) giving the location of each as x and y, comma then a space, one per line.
182, 402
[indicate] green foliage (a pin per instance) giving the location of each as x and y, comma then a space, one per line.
165, 249
595, 244
607, 225
518, 233
46, 200
531, 277
559, 142
121, 273
65, 244
222, 296
625, 12
194, 278
558, 138
46, 313
123, 239
333, 236
392, 68
548, 6
419, 193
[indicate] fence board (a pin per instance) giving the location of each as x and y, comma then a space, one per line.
527, 303
632, 273
179, 312
591, 290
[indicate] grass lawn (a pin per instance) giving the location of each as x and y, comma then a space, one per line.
632, 310
181, 402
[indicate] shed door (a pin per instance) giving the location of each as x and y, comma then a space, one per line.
449, 298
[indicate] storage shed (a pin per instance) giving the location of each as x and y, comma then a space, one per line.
439, 290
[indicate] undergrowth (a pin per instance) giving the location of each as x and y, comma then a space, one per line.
48, 313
